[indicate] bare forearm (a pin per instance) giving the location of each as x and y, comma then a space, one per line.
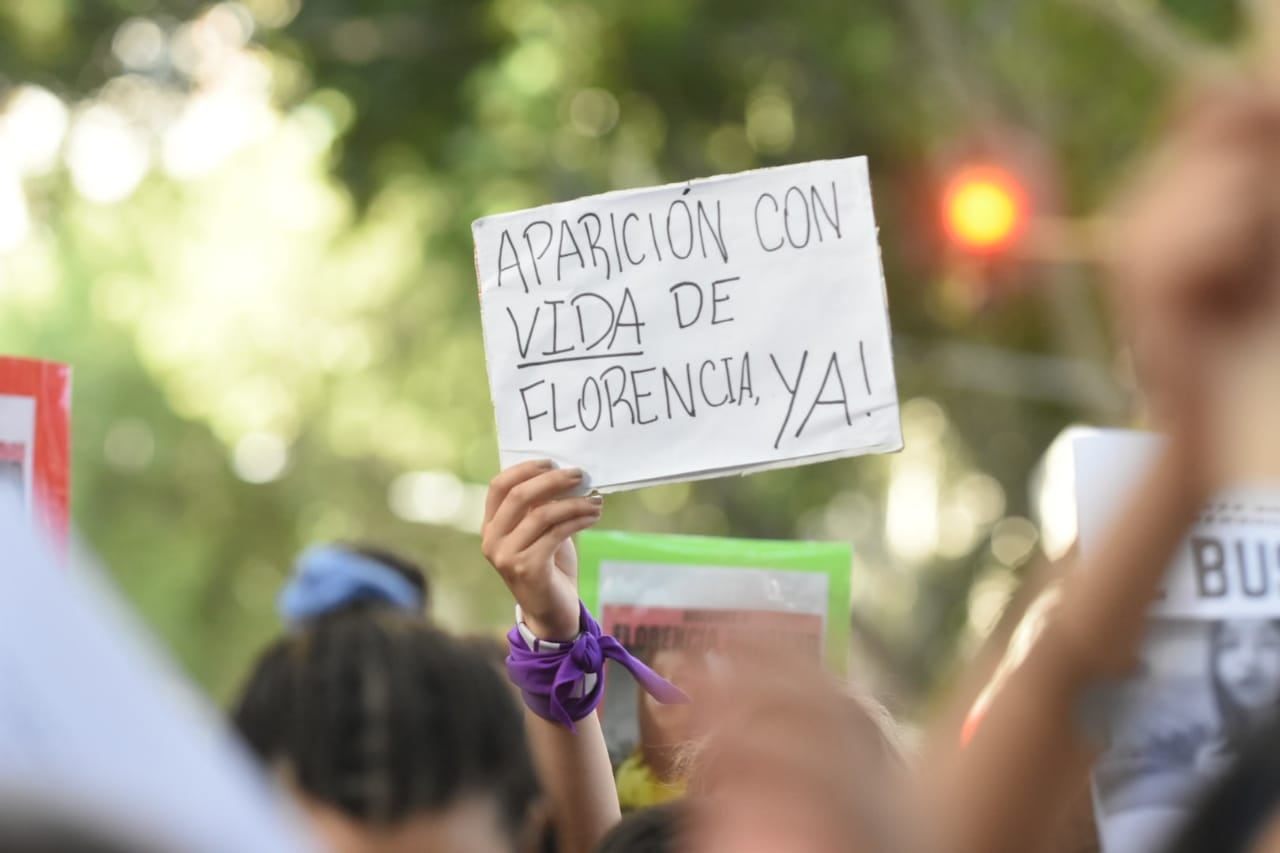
1009, 785
575, 769
1104, 602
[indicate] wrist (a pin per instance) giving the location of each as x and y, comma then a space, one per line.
561, 627
562, 680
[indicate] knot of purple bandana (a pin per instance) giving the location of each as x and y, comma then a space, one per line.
551, 677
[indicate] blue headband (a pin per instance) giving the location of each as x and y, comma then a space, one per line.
327, 578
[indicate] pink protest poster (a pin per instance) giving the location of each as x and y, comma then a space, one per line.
648, 630
35, 440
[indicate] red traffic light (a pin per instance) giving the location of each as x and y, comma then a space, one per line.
984, 209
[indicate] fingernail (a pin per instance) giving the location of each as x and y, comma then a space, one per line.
574, 473
546, 464
598, 500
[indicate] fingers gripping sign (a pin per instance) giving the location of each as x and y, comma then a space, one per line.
529, 520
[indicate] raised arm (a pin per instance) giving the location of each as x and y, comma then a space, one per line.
1011, 783
528, 526
1194, 264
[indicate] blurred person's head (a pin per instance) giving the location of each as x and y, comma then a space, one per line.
1244, 667
797, 762
398, 563
868, 729
493, 649
331, 577
393, 735
659, 829
328, 581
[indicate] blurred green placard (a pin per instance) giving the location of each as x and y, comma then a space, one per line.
662, 591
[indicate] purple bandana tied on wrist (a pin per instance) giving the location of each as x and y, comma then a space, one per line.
549, 678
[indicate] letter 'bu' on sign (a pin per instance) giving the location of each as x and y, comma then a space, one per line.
721, 326
1228, 566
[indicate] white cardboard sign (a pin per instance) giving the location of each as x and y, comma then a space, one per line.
1227, 567
1209, 668
95, 721
725, 325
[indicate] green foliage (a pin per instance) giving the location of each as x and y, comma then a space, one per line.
315, 283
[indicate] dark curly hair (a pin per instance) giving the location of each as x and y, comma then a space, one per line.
374, 712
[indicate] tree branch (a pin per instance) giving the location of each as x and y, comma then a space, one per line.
1159, 36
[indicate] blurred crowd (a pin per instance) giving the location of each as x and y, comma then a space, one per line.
385, 732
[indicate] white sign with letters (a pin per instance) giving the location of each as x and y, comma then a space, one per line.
720, 326
1209, 671
1229, 564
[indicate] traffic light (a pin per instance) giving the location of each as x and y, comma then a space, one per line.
993, 192
985, 209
